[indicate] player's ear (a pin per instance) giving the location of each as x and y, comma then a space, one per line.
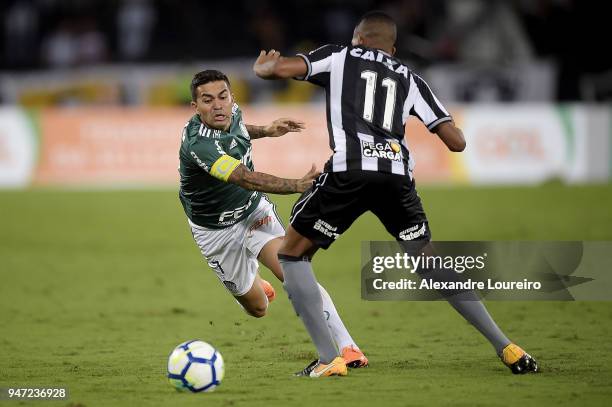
393, 51
357, 40
194, 105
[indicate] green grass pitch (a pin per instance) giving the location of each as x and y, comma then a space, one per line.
98, 287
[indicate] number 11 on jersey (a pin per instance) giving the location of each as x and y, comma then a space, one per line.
370, 92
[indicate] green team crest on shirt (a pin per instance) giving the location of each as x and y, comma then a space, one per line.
207, 199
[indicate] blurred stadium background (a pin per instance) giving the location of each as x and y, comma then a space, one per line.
97, 286
83, 83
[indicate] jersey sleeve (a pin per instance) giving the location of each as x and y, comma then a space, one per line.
319, 63
423, 104
210, 156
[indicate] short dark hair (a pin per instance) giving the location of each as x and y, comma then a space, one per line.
378, 17
203, 77
379, 28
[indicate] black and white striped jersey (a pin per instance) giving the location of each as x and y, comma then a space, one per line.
370, 95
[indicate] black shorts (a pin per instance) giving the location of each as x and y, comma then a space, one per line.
336, 199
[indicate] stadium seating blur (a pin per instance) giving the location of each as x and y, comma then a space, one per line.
533, 102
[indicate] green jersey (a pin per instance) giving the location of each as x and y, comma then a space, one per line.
207, 158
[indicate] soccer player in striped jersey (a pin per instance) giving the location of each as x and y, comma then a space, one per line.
369, 95
231, 219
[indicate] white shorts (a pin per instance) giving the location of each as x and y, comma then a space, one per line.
232, 251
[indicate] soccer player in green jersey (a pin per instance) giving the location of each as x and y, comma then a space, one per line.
231, 219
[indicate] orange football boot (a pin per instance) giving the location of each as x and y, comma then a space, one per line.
268, 289
354, 357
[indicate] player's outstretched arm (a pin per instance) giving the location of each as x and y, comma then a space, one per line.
277, 128
451, 135
259, 181
270, 65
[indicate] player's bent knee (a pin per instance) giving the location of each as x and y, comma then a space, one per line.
257, 312
296, 245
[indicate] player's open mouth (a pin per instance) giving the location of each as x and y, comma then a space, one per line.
220, 117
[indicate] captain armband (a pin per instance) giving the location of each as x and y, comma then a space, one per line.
223, 167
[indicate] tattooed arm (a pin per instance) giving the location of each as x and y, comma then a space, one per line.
259, 181
255, 132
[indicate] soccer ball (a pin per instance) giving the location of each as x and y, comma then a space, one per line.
195, 366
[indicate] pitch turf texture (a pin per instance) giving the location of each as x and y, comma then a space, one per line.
98, 287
